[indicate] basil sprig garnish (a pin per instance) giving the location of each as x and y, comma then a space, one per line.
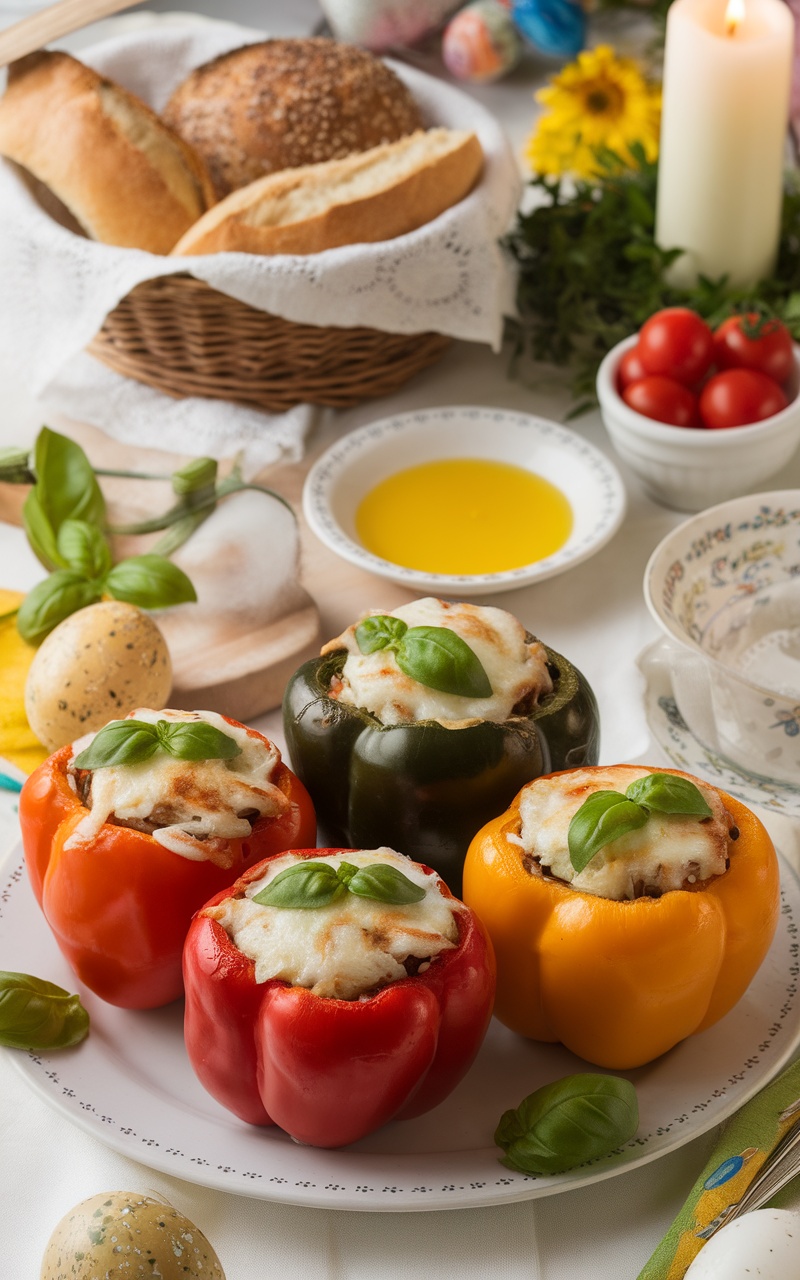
308, 885
35, 1014
433, 656
568, 1122
607, 815
132, 741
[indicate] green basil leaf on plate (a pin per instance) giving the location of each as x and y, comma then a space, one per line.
35, 1014
568, 1122
120, 742
379, 632
384, 883
196, 740
306, 886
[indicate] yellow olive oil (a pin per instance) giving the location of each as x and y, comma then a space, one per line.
464, 515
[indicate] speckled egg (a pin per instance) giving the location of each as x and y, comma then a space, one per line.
120, 1235
95, 666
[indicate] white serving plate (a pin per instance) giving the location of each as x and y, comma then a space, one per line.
130, 1085
347, 471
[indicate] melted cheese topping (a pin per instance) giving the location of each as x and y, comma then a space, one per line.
516, 669
349, 948
201, 803
668, 852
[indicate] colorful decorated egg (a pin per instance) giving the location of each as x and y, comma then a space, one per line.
481, 41
555, 27
381, 25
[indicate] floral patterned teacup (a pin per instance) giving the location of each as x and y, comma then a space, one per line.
725, 588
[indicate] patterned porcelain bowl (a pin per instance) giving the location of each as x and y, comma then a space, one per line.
345, 473
689, 468
724, 587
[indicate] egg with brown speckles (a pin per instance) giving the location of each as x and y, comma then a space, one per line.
95, 666
121, 1234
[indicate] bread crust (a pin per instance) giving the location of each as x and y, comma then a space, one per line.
283, 103
123, 174
376, 195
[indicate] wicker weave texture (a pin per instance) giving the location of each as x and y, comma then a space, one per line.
182, 337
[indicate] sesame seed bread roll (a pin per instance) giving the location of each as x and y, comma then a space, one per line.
126, 178
280, 104
376, 195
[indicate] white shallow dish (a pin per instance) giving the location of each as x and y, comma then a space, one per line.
130, 1085
686, 752
348, 470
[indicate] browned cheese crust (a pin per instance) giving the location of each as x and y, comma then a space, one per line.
284, 103
126, 177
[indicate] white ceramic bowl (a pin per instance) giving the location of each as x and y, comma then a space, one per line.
724, 587
348, 470
691, 468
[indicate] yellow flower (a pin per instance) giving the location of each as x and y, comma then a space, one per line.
599, 100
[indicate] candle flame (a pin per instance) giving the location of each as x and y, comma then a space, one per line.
734, 15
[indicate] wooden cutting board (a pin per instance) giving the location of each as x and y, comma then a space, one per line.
244, 670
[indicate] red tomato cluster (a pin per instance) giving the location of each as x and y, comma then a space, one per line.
684, 373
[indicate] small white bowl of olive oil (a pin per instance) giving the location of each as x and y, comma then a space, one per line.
464, 500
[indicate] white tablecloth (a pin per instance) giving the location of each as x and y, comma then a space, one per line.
595, 613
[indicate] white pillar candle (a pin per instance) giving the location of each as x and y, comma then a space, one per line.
724, 125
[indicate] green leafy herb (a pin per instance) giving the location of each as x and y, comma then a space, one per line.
35, 1014
568, 1122
308, 885
590, 271
133, 741
433, 656
64, 517
603, 817
606, 815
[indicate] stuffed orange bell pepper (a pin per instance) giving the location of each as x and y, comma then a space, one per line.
628, 908
127, 833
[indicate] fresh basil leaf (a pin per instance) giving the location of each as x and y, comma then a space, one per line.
379, 631
666, 793
568, 1122
196, 740
439, 659
65, 481
384, 883
35, 1014
604, 816
84, 548
39, 533
15, 466
149, 581
305, 886
119, 742
53, 600
198, 475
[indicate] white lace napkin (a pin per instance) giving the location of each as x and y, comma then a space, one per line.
57, 287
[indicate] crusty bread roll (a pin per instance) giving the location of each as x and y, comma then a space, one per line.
280, 104
122, 173
374, 195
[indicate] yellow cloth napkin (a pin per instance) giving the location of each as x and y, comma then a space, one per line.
17, 740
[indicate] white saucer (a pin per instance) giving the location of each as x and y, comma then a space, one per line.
678, 742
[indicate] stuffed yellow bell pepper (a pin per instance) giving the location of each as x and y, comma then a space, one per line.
628, 908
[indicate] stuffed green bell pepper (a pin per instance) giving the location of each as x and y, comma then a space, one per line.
413, 728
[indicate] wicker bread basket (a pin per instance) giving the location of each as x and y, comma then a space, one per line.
177, 334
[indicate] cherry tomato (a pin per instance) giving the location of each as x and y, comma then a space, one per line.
663, 399
737, 397
677, 343
770, 352
630, 369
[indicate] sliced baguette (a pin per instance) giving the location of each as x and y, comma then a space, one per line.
121, 172
375, 195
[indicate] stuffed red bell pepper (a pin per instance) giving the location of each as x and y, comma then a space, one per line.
128, 831
332, 990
